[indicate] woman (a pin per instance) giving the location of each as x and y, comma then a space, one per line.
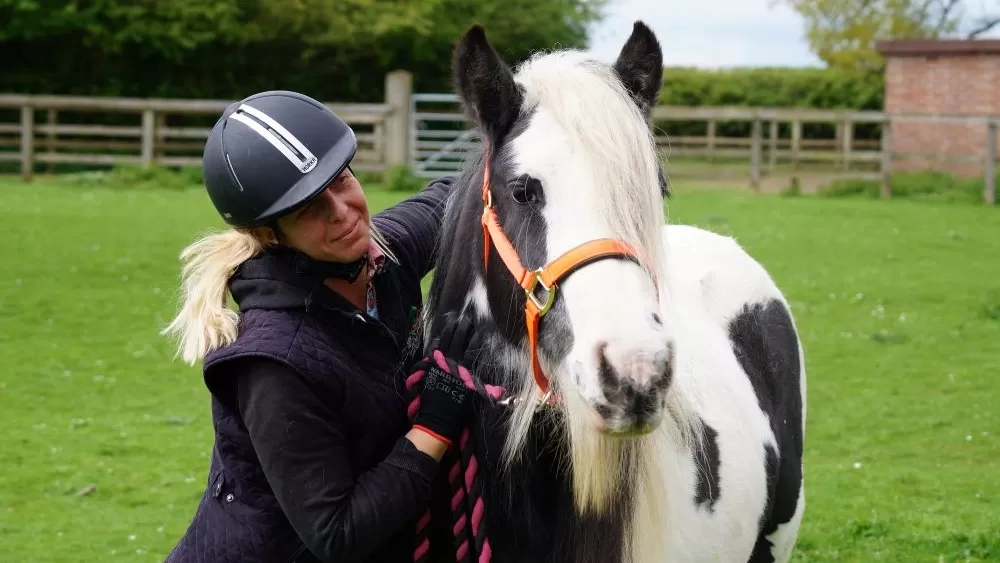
314, 455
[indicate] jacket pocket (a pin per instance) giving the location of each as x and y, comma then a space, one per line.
227, 494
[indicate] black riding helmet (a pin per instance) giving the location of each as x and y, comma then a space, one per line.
271, 153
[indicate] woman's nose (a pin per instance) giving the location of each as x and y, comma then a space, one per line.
334, 209
338, 211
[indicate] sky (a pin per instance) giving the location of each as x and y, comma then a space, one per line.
737, 33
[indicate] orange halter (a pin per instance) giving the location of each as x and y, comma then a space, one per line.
548, 276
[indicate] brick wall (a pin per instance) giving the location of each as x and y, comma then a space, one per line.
965, 81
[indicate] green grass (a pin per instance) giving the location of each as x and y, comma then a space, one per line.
106, 437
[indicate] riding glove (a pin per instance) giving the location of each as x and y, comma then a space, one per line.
446, 400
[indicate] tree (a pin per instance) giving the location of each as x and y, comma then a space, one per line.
331, 49
843, 33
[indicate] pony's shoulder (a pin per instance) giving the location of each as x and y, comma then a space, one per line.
716, 271
689, 242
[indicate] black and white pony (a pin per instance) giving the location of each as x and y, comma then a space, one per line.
677, 430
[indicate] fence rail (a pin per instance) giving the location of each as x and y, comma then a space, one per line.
430, 134
153, 140
169, 132
440, 141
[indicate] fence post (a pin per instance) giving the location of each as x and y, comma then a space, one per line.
990, 183
796, 144
710, 140
886, 189
846, 145
398, 89
756, 143
772, 151
27, 143
159, 124
50, 143
148, 136
839, 140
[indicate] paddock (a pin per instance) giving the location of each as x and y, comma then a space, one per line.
898, 304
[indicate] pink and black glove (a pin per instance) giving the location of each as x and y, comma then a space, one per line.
446, 401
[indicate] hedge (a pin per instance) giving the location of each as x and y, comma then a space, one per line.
818, 88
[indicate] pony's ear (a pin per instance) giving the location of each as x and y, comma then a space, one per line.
640, 67
486, 84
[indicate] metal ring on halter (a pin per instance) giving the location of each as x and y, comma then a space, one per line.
529, 292
507, 401
543, 401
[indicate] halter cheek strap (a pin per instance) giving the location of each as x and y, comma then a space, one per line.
548, 276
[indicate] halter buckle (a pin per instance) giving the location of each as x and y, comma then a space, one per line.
529, 292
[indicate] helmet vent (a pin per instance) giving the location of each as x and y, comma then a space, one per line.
276, 134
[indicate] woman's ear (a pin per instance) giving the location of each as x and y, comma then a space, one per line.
265, 235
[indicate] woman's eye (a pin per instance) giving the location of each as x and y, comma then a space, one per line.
527, 190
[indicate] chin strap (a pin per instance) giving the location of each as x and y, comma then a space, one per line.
340, 270
322, 269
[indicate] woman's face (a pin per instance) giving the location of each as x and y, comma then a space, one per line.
334, 225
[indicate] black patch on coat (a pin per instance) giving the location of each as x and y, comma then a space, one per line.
707, 463
766, 345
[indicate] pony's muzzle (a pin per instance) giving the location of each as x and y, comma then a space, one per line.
634, 385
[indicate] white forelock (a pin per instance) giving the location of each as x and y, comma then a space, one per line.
606, 129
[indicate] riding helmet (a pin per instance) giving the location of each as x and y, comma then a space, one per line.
271, 153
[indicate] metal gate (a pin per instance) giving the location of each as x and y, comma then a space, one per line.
440, 136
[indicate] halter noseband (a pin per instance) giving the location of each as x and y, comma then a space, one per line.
547, 276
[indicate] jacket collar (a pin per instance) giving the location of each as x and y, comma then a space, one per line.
270, 281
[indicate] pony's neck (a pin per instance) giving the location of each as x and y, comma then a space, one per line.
458, 266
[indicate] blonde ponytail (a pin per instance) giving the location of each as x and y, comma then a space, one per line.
205, 320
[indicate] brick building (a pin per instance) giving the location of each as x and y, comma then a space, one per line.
935, 77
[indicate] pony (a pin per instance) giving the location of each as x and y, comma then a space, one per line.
654, 379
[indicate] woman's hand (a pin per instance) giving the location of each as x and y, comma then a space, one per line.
446, 402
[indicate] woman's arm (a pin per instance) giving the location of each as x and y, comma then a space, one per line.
303, 450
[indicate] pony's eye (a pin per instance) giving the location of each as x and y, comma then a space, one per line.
526, 190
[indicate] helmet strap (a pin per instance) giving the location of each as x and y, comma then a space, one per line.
348, 271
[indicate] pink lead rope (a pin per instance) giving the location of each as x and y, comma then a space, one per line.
468, 509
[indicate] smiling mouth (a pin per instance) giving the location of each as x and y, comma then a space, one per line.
348, 232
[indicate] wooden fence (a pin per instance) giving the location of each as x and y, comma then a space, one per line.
872, 159
54, 129
170, 132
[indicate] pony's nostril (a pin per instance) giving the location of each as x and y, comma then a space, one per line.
656, 319
602, 348
605, 371
664, 368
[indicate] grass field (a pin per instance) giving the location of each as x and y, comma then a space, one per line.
105, 437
